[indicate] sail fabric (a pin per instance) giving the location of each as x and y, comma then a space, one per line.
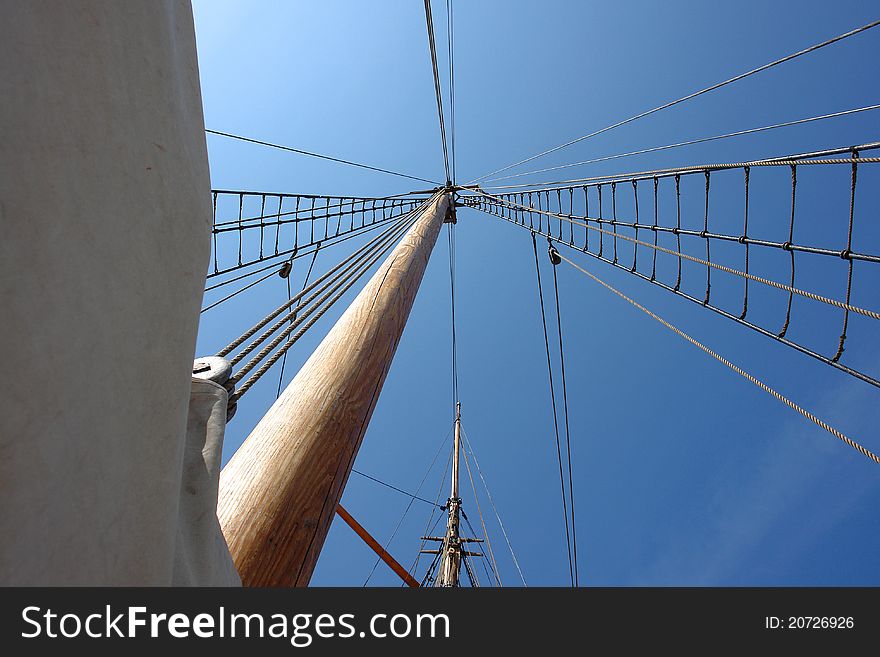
105, 216
201, 556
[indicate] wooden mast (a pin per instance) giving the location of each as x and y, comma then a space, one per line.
279, 492
450, 566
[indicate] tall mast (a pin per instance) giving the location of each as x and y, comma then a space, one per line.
279, 492
450, 566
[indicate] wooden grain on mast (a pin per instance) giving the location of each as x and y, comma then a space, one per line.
279, 492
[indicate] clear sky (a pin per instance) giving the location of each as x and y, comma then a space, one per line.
684, 473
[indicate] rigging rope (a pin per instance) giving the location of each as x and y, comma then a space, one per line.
472, 578
295, 254
782, 286
305, 282
482, 521
429, 576
451, 242
346, 264
350, 274
834, 432
436, 505
318, 155
701, 168
718, 85
738, 318
450, 23
248, 274
429, 21
691, 142
430, 528
555, 414
408, 506
321, 310
240, 290
387, 485
489, 575
849, 279
492, 504
338, 203
565, 413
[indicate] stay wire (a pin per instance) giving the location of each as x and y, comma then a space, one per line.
691, 142
331, 203
344, 265
295, 254
435, 561
706, 263
451, 243
429, 21
408, 507
473, 454
318, 155
555, 413
387, 485
472, 576
799, 160
482, 521
353, 269
320, 311
807, 414
567, 431
428, 527
486, 568
305, 282
450, 20
242, 289
690, 96
432, 568
494, 210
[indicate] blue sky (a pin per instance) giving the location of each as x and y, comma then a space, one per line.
685, 473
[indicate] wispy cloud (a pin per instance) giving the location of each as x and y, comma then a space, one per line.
744, 511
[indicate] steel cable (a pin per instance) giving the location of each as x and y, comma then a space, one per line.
318, 155
782, 286
413, 498
482, 521
555, 413
347, 261
429, 21
691, 142
567, 430
297, 253
450, 23
240, 290
354, 269
701, 168
321, 310
807, 414
718, 85
305, 283
387, 485
492, 504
